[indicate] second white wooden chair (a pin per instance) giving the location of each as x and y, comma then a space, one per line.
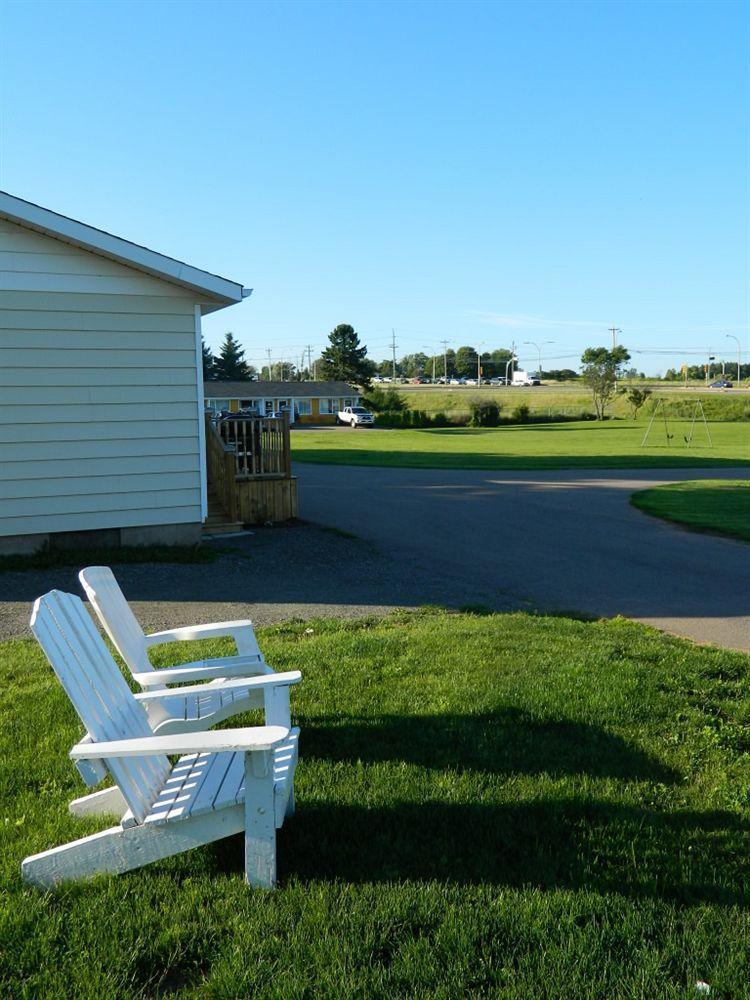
185, 710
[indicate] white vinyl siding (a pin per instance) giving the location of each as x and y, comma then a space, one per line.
98, 392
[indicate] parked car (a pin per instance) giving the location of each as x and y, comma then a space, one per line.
498, 381
721, 384
457, 381
378, 379
355, 416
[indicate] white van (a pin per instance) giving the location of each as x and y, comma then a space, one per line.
525, 378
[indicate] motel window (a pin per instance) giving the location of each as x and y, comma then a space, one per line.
304, 407
348, 402
217, 405
329, 406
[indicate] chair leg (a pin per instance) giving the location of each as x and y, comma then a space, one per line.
260, 825
122, 849
107, 802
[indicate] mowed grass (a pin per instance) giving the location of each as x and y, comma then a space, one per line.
488, 805
707, 505
612, 444
572, 399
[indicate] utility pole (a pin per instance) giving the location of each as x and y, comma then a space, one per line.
393, 346
268, 352
614, 330
445, 358
309, 360
739, 355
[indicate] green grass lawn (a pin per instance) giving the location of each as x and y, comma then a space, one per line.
570, 399
613, 444
488, 805
708, 505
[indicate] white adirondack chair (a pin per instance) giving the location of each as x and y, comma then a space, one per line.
227, 781
186, 709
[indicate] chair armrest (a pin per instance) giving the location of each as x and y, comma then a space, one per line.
213, 741
201, 670
241, 683
190, 632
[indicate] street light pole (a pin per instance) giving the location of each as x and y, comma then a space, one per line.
445, 358
432, 351
533, 343
739, 355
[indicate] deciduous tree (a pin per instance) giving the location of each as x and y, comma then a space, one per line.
600, 369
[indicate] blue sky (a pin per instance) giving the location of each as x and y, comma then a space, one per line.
476, 172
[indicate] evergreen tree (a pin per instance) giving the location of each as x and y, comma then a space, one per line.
209, 362
344, 359
230, 364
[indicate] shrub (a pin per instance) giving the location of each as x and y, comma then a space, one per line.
521, 414
384, 401
440, 420
484, 413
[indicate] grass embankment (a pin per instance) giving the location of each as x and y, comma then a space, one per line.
572, 400
613, 444
487, 805
718, 505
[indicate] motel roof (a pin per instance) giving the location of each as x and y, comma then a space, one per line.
215, 389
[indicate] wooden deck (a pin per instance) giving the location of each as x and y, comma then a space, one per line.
249, 467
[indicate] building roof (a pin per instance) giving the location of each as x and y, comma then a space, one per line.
216, 389
220, 291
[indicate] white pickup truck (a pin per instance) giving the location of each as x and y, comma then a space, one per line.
355, 416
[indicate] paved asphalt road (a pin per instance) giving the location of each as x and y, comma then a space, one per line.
556, 540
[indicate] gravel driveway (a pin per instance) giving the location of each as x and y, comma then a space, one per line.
295, 571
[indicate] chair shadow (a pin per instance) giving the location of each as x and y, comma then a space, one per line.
506, 741
576, 842
689, 856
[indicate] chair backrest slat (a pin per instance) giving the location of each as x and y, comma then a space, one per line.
99, 693
114, 612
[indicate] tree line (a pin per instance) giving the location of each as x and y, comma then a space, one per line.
346, 359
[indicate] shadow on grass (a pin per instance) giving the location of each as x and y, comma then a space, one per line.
574, 843
502, 462
505, 742
688, 856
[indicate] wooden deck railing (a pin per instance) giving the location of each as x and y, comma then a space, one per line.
221, 470
249, 467
260, 445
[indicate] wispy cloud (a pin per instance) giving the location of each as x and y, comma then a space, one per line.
525, 321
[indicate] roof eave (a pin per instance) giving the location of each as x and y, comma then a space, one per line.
213, 291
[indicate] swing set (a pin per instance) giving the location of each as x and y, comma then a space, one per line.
698, 416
